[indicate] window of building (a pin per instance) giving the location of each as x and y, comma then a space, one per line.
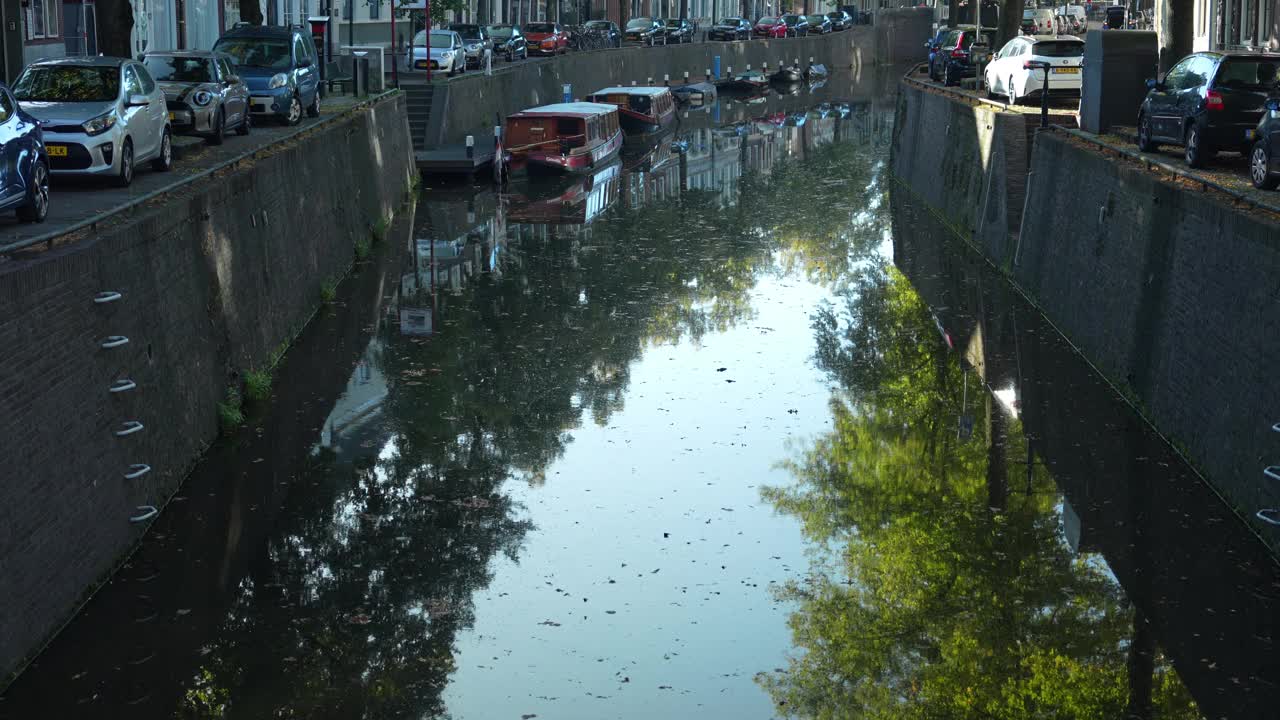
375, 9
347, 6
42, 19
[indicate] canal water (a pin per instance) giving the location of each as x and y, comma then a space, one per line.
729, 429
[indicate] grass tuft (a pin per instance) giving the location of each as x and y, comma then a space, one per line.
230, 415
328, 290
257, 384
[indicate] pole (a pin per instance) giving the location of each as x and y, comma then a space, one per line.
1044, 97
351, 30
428, 49
395, 52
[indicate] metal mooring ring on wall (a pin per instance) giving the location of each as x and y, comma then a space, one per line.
114, 341
129, 427
107, 296
148, 512
136, 471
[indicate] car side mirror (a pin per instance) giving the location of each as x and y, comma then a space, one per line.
231, 80
1153, 84
138, 101
1272, 104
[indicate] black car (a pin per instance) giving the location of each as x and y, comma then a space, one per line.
840, 20
819, 24
1208, 102
1114, 18
678, 30
646, 31
797, 25
951, 60
508, 42
1264, 157
607, 30
731, 28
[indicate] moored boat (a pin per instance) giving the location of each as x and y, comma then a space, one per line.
565, 137
749, 81
791, 74
641, 110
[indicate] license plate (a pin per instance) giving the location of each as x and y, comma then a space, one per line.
56, 150
1066, 71
170, 116
420, 64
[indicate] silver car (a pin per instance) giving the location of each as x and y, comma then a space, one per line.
445, 53
99, 115
475, 43
204, 95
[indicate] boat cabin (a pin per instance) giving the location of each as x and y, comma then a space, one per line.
652, 102
563, 126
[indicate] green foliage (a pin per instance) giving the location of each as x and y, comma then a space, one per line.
328, 290
257, 384
362, 249
230, 415
378, 231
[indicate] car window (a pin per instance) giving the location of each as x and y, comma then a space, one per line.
1198, 73
148, 83
1059, 48
132, 85
270, 53
952, 39
224, 66
1247, 73
299, 49
1174, 79
6, 107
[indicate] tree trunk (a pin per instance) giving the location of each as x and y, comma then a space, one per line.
684, 8
953, 12
1010, 22
1174, 31
115, 26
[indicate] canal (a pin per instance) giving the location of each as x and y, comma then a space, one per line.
729, 429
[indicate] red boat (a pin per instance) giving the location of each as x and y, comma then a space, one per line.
566, 137
641, 110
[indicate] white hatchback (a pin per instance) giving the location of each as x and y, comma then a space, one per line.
1025, 63
99, 115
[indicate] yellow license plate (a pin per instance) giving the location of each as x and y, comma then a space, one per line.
56, 150
1067, 71
420, 64
170, 116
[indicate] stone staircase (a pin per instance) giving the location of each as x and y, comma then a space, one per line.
418, 98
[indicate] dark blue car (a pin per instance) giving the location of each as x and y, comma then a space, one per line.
280, 67
24, 166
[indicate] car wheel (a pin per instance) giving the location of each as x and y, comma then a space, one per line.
1145, 143
164, 161
246, 124
314, 110
1260, 168
124, 176
294, 116
37, 207
511, 57
219, 130
991, 93
1010, 92
1194, 151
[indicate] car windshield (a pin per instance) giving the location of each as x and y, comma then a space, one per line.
835, 15
768, 21
791, 19
1058, 48
598, 25
1028, 14
639, 23
539, 28
817, 19
1248, 73
440, 40
270, 53
731, 21
167, 68
468, 32
68, 84
671, 23
500, 31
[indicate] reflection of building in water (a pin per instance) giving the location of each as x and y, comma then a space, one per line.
351, 423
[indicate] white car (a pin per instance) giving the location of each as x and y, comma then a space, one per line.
99, 115
1072, 18
446, 53
1038, 21
1018, 71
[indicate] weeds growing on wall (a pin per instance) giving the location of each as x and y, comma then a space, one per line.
230, 413
257, 384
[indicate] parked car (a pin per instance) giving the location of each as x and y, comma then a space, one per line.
279, 65
646, 31
678, 30
442, 50
840, 20
1208, 102
797, 25
609, 30
508, 42
1264, 156
546, 38
818, 24
1072, 18
204, 95
99, 115
24, 165
1015, 73
1114, 18
1037, 21
934, 44
477, 48
730, 28
952, 61
770, 27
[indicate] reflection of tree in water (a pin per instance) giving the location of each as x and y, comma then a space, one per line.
353, 608
950, 596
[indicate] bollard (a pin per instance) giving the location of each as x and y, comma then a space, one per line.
730, 71
648, 81
708, 74
686, 77
498, 160
567, 93
666, 80
633, 83
715, 64
471, 146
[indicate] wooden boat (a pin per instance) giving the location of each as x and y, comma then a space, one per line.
641, 110
565, 137
702, 92
749, 81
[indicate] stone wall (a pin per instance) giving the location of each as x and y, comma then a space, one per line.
1172, 294
212, 277
966, 160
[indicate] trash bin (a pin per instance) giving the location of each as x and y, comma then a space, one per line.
359, 74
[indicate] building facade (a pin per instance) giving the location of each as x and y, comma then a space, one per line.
1237, 25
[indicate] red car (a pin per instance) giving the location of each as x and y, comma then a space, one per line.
769, 27
546, 38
